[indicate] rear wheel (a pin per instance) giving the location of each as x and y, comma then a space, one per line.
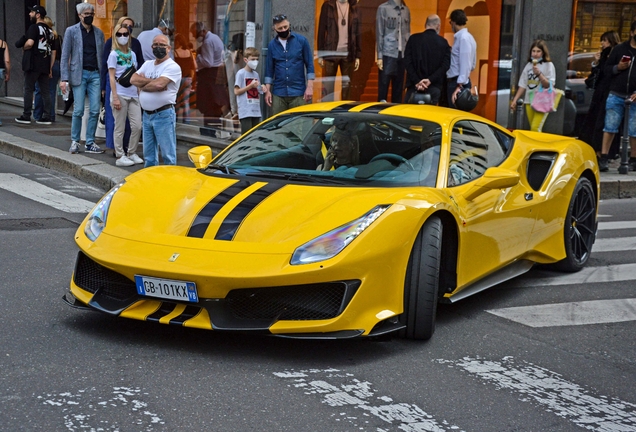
421, 284
580, 227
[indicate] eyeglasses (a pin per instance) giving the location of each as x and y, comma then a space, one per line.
279, 18
159, 45
121, 34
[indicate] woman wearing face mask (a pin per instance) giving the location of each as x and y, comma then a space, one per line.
109, 121
124, 101
184, 58
538, 72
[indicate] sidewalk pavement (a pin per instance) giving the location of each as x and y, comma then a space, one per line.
48, 145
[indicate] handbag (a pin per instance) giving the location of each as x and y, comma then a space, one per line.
592, 80
124, 78
544, 100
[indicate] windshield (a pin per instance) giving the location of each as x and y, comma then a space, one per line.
343, 148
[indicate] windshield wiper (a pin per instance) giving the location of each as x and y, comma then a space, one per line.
224, 168
294, 177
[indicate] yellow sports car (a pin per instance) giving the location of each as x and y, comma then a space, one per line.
338, 220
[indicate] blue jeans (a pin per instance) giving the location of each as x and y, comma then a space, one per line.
614, 112
38, 108
90, 85
160, 133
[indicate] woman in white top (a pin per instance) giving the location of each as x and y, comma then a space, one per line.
538, 72
124, 100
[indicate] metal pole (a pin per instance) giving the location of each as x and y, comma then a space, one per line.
624, 168
519, 114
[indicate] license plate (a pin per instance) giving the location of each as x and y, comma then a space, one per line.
166, 289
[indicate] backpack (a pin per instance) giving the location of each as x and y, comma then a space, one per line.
45, 40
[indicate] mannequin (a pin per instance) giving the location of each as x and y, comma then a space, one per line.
393, 28
338, 38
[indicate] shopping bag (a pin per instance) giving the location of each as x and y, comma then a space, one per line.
544, 100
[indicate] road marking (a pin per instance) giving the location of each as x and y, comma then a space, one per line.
88, 410
575, 313
563, 398
339, 389
614, 244
612, 273
616, 225
44, 194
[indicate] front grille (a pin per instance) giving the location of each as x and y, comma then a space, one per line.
298, 302
91, 276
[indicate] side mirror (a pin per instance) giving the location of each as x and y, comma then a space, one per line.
200, 156
493, 178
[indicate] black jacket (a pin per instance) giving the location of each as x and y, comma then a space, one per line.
328, 29
427, 55
622, 83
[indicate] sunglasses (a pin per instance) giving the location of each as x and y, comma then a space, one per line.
279, 18
121, 34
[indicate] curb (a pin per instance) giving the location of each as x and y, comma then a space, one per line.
90, 171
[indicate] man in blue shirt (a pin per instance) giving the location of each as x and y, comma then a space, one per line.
289, 56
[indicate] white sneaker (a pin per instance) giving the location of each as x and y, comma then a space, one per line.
75, 147
124, 161
136, 159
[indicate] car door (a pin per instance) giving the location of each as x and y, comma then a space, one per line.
496, 225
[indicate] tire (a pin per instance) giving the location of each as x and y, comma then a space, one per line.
579, 230
421, 284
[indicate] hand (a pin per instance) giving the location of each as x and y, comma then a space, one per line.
356, 65
321, 62
6, 77
268, 99
536, 70
455, 93
597, 56
116, 103
513, 104
254, 84
380, 64
623, 65
63, 86
330, 159
309, 93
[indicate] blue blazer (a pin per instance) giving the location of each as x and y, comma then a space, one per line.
71, 64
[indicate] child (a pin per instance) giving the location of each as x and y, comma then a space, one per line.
248, 88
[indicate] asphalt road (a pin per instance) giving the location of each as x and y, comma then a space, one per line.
490, 366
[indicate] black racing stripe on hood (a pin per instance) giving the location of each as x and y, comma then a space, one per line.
165, 309
347, 106
377, 108
188, 313
203, 219
233, 220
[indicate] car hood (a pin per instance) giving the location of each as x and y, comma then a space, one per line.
170, 205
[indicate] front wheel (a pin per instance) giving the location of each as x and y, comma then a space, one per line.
579, 230
421, 285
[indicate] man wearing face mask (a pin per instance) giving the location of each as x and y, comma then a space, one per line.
79, 67
158, 82
289, 72
146, 37
213, 98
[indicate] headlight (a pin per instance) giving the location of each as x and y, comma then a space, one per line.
332, 243
97, 217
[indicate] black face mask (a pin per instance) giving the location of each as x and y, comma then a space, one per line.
283, 34
159, 52
88, 20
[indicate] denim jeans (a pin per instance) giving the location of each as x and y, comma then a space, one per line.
90, 85
392, 72
614, 114
160, 133
38, 107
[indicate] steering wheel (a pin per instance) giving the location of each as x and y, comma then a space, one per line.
394, 159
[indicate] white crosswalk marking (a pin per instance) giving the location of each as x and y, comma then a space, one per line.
616, 225
612, 273
548, 389
339, 389
574, 313
43, 194
614, 244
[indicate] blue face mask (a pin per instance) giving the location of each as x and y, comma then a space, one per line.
539, 60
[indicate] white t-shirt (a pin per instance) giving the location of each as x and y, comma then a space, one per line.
170, 69
529, 81
119, 69
249, 103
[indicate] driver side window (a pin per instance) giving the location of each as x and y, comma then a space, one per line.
474, 149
